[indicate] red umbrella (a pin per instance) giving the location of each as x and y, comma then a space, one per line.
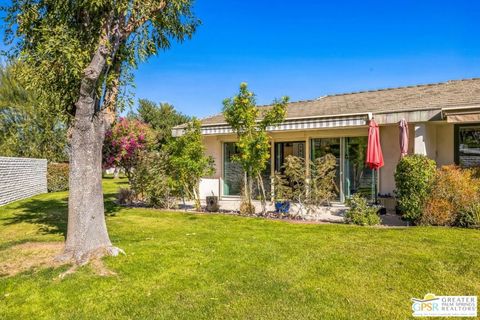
403, 126
374, 151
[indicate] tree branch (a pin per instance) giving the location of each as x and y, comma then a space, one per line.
134, 23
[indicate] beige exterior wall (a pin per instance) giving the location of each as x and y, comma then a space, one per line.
445, 144
389, 139
213, 148
438, 138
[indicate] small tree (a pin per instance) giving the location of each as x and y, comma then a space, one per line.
124, 142
296, 175
188, 162
309, 192
322, 187
281, 188
250, 124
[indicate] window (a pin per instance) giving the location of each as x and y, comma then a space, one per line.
467, 145
232, 171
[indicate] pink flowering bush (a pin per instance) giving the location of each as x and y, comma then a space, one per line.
124, 142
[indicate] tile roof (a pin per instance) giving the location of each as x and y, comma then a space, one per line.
411, 98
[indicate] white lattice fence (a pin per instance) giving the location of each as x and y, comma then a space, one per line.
21, 178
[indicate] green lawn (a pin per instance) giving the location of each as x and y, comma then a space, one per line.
199, 266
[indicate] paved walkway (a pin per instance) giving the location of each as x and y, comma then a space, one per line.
334, 213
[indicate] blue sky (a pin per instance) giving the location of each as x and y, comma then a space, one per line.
306, 49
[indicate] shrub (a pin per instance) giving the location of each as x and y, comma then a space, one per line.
414, 178
124, 142
188, 162
57, 177
125, 196
457, 186
150, 180
246, 208
438, 212
454, 198
360, 212
469, 217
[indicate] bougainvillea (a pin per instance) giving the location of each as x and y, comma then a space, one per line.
124, 142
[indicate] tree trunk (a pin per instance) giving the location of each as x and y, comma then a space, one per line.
116, 173
87, 234
262, 194
87, 230
196, 196
251, 207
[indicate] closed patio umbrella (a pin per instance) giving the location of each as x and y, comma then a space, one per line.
403, 128
374, 151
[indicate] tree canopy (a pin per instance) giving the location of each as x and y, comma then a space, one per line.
28, 127
78, 56
162, 117
56, 41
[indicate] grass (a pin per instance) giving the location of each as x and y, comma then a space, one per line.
199, 266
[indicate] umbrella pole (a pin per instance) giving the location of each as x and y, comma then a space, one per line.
375, 177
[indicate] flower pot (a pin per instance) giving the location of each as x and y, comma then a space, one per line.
282, 206
212, 204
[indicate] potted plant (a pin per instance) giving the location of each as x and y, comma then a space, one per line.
282, 193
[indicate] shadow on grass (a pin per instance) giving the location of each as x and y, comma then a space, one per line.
52, 215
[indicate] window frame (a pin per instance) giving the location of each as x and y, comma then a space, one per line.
456, 139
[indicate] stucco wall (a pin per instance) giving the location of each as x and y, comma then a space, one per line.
444, 144
213, 148
389, 139
21, 178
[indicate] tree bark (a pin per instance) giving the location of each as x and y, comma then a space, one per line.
196, 196
87, 234
263, 195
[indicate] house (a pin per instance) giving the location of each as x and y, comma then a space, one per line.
443, 118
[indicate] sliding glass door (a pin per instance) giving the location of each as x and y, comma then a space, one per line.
322, 147
353, 176
358, 178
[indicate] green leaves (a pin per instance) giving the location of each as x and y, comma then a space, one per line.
414, 178
187, 160
250, 124
57, 40
161, 117
29, 127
